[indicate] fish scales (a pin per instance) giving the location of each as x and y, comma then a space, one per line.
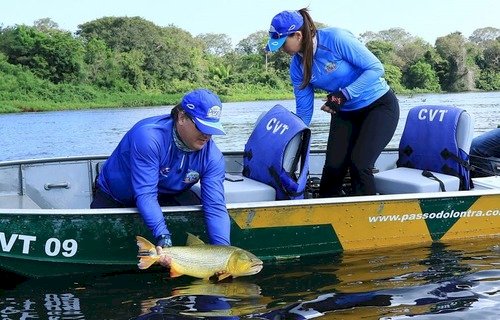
200, 260
212, 258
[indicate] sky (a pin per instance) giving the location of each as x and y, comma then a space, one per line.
428, 19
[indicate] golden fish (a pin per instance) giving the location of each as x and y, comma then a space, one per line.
201, 260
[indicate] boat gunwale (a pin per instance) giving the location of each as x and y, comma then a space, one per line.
268, 204
234, 206
98, 157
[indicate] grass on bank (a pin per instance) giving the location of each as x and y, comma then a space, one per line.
120, 100
21, 91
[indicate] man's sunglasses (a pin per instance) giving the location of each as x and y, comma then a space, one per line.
191, 118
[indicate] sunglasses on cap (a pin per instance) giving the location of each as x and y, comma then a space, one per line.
277, 35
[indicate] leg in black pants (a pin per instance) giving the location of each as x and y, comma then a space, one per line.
337, 157
188, 197
102, 200
355, 141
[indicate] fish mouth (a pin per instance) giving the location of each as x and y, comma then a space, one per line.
256, 267
253, 269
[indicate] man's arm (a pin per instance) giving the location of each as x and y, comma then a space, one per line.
144, 167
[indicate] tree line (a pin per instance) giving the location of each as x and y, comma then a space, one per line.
132, 61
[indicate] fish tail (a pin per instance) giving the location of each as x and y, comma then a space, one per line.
147, 253
145, 247
146, 262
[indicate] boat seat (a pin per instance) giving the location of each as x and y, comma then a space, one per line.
421, 178
482, 183
291, 156
277, 153
409, 180
238, 189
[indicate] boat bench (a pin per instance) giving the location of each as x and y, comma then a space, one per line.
483, 183
16, 201
411, 180
407, 180
238, 188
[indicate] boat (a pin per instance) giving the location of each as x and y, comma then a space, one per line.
47, 228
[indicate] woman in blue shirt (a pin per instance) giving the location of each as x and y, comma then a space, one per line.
364, 110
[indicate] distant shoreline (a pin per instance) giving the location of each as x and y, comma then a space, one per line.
140, 99
108, 100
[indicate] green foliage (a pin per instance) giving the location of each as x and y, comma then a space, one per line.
422, 76
483, 36
163, 54
102, 66
491, 56
489, 80
129, 61
216, 44
53, 55
393, 77
253, 44
384, 51
453, 49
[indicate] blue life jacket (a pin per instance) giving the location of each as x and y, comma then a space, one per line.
267, 158
429, 142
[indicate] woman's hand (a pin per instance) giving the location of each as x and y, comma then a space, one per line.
327, 109
333, 102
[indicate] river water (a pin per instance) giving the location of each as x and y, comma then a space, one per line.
97, 132
457, 281
453, 281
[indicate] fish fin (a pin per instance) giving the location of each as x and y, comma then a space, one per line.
193, 240
145, 247
174, 273
147, 253
223, 276
146, 261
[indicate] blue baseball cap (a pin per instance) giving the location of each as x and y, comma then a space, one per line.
283, 24
205, 108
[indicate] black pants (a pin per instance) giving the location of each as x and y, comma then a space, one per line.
103, 200
355, 141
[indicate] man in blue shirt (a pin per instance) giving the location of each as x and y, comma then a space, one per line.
161, 158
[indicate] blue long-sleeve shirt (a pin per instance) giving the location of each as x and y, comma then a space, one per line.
147, 162
340, 62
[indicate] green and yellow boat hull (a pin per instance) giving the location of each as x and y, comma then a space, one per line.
40, 242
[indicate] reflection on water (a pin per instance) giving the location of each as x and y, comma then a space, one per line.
455, 281
51, 306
